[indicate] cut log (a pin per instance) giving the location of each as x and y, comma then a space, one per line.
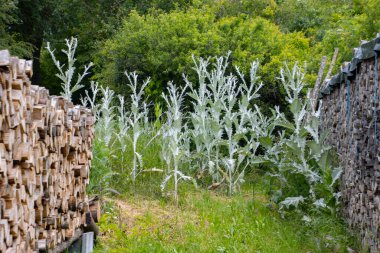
45, 157
351, 114
4, 58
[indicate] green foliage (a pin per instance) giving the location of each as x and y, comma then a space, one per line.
230, 8
171, 31
330, 24
103, 177
121, 150
161, 45
307, 15
89, 21
369, 16
158, 44
8, 38
144, 6
111, 164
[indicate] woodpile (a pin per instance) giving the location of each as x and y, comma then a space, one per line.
45, 157
351, 115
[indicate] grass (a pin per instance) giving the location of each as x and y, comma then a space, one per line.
207, 221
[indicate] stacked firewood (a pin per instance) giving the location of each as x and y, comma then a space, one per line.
351, 115
45, 157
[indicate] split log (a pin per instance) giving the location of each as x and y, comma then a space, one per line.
45, 157
351, 113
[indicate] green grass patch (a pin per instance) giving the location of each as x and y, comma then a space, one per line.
210, 222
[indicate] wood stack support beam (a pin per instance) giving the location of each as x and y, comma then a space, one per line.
349, 113
45, 158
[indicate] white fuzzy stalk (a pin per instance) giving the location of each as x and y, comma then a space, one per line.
66, 75
174, 138
136, 119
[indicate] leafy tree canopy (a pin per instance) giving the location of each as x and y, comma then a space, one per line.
10, 39
161, 45
158, 37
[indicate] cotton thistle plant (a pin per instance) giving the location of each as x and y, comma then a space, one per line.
119, 127
90, 99
106, 123
174, 138
293, 84
122, 130
234, 127
104, 151
222, 107
207, 130
295, 153
252, 126
136, 120
66, 73
242, 125
200, 118
216, 80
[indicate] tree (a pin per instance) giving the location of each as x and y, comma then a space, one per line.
161, 45
9, 39
91, 22
35, 17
